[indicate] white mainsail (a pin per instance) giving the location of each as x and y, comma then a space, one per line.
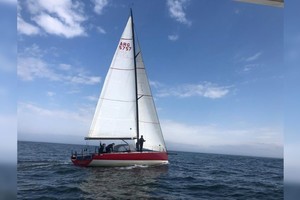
116, 114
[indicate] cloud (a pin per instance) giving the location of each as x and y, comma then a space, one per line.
64, 67
240, 58
176, 11
50, 94
92, 98
250, 67
61, 18
156, 84
100, 5
207, 89
24, 27
254, 57
173, 37
258, 141
31, 66
55, 26
84, 79
101, 30
36, 119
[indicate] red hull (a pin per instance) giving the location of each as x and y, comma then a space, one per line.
121, 159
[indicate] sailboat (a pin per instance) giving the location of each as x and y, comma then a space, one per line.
126, 111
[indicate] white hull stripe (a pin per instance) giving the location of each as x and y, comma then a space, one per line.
116, 163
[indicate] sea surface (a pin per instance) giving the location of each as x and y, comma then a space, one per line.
44, 171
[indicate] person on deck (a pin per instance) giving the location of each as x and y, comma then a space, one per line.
101, 149
141, 142
110, 148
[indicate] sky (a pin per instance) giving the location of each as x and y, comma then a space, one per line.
215, 68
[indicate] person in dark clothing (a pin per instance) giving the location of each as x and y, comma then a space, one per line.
141, 141
110, 148
101, 149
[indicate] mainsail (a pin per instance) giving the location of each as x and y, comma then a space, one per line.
116, 115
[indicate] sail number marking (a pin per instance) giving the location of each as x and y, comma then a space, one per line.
125, 46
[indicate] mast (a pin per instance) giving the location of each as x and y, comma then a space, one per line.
136, 84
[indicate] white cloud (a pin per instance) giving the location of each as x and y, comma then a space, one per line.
83, 79
173, 37
55, 26
92, 98
101, 30
262, 141
254, 57
250, 67
50, 94
176, 10
37, 120
64, 67
156, 84
24, 27
100, 5
31, 66
207, 89
57, 17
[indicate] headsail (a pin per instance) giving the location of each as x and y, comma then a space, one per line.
115, 115
148, 120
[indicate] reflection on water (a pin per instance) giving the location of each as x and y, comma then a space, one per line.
122, 182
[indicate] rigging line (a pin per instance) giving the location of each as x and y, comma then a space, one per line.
146, 95
137, 54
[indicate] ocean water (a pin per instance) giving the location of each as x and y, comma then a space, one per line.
44, 171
